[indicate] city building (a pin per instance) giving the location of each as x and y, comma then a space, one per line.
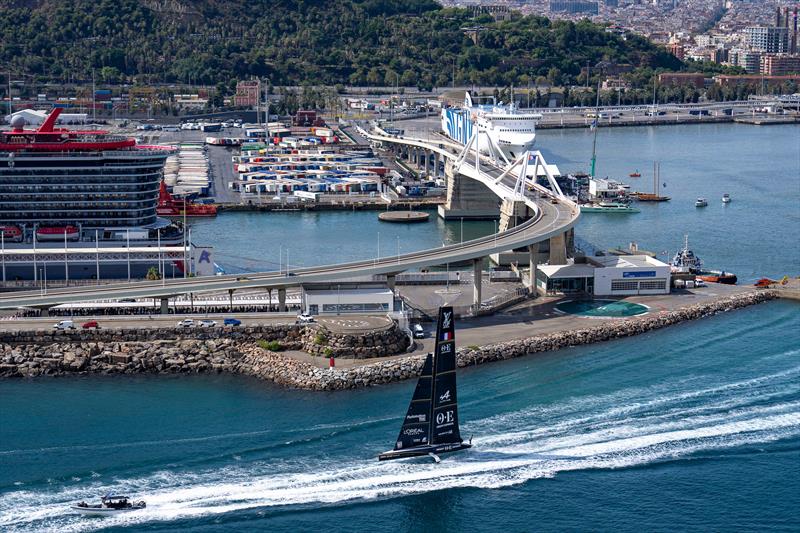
749, 60
780, 64
574, 6
35, 117
768, 39
725, 80
606, 276
682, 78
247, 93
346, 298
677, 50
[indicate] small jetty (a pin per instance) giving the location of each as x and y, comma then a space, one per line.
404, 216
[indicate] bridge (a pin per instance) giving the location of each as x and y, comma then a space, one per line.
529, 214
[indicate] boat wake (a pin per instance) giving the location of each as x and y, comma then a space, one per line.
629, 428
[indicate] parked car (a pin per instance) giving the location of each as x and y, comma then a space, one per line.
232, 322
92, 324
64, 324
186, 323
305, 319
207, 323
419, 333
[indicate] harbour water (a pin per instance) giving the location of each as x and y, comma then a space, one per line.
754, 236
695, 427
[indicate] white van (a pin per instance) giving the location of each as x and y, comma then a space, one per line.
419, 333
64, 324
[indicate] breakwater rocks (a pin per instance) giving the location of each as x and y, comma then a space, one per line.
243, 355
288, 335
325, 343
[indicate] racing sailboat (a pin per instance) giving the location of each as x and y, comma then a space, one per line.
431, 423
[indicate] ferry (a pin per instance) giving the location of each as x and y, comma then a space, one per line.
510, 130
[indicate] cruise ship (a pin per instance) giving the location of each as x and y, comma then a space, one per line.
511, 131
82, 205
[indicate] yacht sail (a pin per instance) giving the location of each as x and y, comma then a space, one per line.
431, 423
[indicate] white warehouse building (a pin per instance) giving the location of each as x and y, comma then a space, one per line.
611, 275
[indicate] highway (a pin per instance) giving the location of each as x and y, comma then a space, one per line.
553, 217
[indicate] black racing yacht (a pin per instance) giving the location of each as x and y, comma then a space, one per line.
431, 423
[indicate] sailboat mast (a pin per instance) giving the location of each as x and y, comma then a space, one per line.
431, 409
596, 126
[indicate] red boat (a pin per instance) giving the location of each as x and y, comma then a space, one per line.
170, 207
57, 233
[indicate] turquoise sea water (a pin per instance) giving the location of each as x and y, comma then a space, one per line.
602, 308
695, 427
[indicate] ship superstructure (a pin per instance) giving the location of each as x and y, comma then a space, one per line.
73, 189
512, 131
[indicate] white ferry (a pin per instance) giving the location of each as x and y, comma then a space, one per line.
511, 131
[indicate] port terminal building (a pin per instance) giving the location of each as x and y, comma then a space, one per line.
606, 276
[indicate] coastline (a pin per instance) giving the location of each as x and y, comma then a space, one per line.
238, 352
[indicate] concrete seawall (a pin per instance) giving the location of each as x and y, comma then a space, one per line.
31, 355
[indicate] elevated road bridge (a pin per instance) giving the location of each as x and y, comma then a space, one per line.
530, 214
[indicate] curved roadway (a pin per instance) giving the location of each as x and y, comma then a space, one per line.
551, 219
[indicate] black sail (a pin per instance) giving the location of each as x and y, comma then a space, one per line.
444, 411
416, 426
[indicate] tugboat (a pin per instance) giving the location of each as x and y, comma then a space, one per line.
686, 261
636, 174
109, 505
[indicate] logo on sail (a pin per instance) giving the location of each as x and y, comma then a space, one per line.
445, 397
447, 319
411, 432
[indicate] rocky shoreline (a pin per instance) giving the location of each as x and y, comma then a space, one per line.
26, 354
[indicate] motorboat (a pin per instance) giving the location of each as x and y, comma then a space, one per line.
608, 207
109, 505
636, 174
726, 198
701, 202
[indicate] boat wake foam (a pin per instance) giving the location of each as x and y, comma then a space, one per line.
629, 428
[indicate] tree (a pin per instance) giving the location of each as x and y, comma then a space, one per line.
153, 274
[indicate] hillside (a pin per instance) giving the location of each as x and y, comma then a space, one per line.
365, 42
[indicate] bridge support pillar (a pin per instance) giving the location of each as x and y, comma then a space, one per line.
282, 300
558, 249
391, 281
533, 262
230, 300
512, 213
436, 163
467, 198
164, 306
477, 283
44, 312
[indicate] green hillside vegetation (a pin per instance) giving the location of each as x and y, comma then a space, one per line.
294, 42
